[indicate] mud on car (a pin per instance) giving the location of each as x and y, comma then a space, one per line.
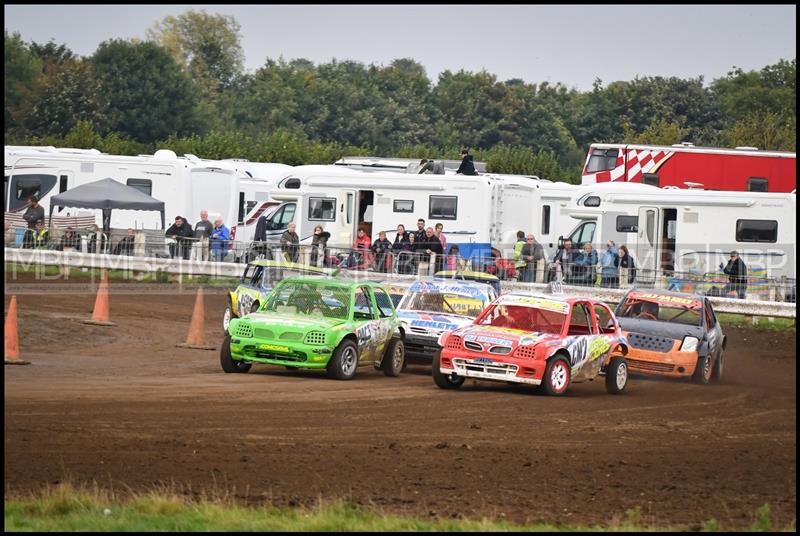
672, 334
540, 340
318, 323
257, 281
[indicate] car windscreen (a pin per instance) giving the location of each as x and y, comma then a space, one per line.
524, 318
663, 312
433, 301
310, 299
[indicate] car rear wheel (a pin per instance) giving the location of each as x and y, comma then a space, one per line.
716, 374
445, 381
556, 376
616, 375
703, 370
228, 363
394, 358
344, 363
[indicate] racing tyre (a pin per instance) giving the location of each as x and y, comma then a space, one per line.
445, 381
226, 319
716, 374
616, 375
344, 363
556, 376
228, 363
394, 359
703, 370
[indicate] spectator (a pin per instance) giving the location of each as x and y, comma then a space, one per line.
220, 236
40, 236
452, 257
425, 166
320, 240
202, 230
33, 213
519, 264
290, 244
532, 254
382, 249
125, 245
70, 241
432, 247
467, 167
609, 266
420, 232
407, 257
585, 271
564, 260
626, 261
359, 257
437, 230
181, 232
737, 273
400, 239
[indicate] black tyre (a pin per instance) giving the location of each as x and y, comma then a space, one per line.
344, 362
704, 370
557, 376
445, 381
228, 363
716, 374
226, 319
616, 375
394, 359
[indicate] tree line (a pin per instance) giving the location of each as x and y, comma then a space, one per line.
185, 88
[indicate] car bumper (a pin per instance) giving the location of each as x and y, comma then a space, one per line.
675, 364
505, 370
288, 355
418, 346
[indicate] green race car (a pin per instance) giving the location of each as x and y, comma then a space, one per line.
318, 323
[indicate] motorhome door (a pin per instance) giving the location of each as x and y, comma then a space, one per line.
647, 244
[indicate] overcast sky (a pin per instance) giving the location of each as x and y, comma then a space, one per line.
569, 44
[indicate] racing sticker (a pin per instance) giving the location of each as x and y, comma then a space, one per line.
665, 299
577, 349
488, 339
541, 303
531, 338
246, 300
598, 347
463, 290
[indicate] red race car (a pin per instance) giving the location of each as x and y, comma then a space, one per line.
544, 340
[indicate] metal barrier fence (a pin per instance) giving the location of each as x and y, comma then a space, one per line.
153, 244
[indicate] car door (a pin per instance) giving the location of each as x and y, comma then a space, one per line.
366, 318
387, 319
582, 330
248, 291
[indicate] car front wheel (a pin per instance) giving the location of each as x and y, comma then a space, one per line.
703, 370
226, 319
616, 375
344, 363
556, 376
445, 381
228, 363
716, 374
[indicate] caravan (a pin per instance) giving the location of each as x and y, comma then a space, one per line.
676, 230
185, 184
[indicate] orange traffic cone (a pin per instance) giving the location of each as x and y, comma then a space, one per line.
100, 314
195, 338
12, 338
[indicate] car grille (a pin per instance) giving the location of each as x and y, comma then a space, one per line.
647, 366
454, 343
296, 357
262, 333
506, 369
244, 330
525, 352
421, 331
473, 346
291, 336
650, 342
500, 350
315, 337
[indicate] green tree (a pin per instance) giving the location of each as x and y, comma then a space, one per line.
52, 54
768, 131
150, 97
22, 70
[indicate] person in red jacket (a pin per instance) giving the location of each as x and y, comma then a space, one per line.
361, 257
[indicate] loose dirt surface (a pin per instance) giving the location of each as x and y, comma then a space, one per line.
126, 409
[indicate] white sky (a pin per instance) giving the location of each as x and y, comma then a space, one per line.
568, 44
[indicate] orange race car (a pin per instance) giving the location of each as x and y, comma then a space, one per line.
672, 334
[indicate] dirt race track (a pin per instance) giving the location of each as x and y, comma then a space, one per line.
125, 408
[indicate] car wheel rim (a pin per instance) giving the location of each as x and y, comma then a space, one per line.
349, 361
559, 377
622, 375
397, 358
226, 318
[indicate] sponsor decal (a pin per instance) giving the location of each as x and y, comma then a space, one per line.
660, 298
487, 339
444, 288
273, 348
598, 347
531, 338
541, 303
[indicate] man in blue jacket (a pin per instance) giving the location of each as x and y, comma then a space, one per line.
220, 235
609, 266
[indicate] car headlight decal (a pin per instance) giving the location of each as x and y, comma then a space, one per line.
689, 344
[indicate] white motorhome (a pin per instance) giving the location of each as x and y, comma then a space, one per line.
480, 213
670, 229
186, 185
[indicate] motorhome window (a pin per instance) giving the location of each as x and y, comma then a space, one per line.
592, 201
143, 185
757, 184
443, 207
545, 219
24, 186
650, 179
756, 231
404, 205
292, 184
250, 205
62, 184
583, 234
322, 208
602, 160
241, 208
650, 226
286, 217
627, 224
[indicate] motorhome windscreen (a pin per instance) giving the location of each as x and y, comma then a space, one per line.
602, 160
651, 310
524, 318
310, 299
